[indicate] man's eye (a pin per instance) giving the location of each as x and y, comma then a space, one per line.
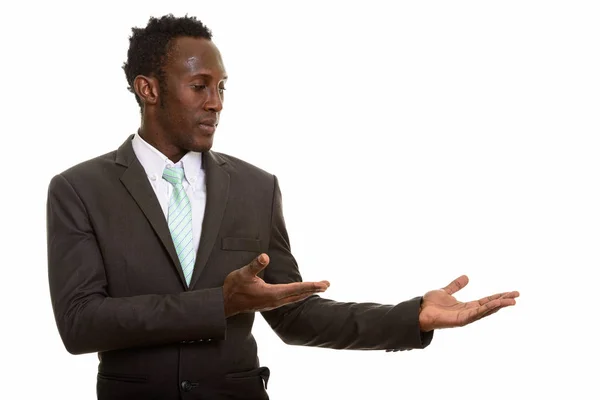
221, 90
198, 87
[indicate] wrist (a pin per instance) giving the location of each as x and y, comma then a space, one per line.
423, 326
226, 303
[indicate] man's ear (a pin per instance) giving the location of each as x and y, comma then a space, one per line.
146, 88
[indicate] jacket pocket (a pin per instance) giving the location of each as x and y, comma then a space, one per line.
111, 376
262, 372
240, 244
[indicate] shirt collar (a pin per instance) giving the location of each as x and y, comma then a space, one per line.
154, 162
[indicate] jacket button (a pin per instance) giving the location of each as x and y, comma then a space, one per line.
186, 386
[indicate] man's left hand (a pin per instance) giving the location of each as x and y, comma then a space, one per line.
440, 309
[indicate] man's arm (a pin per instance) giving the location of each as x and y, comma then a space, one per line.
88, 319
327, 323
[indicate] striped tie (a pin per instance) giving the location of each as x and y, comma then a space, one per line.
180, 221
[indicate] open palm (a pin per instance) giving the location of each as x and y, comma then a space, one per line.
440, 309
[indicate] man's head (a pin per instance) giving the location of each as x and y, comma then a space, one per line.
177, 75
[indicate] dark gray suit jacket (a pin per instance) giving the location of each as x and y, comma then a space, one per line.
117, 287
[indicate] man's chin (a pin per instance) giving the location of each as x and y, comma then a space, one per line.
202, 144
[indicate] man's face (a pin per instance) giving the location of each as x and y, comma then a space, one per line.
189, 108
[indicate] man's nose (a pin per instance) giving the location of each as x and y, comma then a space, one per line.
214, 101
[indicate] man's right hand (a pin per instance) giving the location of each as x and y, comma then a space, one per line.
243, 291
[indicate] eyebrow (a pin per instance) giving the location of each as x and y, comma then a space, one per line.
209, 76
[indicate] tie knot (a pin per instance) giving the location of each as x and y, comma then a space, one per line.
173, 175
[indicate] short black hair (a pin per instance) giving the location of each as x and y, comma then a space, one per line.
149, 46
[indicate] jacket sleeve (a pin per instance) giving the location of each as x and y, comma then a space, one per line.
326, 323
88, 319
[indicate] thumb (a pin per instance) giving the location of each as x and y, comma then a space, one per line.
258, 264
456, 284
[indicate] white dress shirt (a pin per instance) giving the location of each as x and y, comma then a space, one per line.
154, 163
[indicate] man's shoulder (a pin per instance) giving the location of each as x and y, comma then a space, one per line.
95, 173
103, 163
241, 166
91, 166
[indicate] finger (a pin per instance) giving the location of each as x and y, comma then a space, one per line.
283, 290
456, 284
288, 300
258, 264
491, 312
505, 295
487, 314
489, 308
293, 299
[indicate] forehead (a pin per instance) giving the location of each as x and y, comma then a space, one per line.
188, 56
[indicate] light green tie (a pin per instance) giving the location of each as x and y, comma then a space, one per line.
180, 221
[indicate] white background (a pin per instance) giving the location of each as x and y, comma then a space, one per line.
414, 142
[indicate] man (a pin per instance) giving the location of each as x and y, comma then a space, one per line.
160, 253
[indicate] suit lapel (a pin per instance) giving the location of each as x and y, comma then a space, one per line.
135, 181
217, 193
